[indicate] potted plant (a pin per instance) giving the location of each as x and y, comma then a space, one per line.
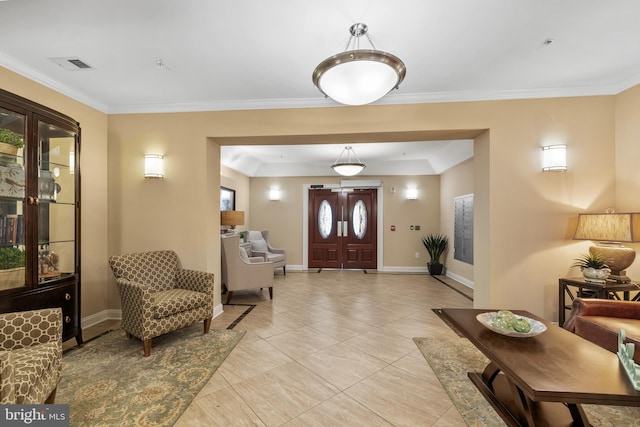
9, 137
12, 265
435, 244
593, 266
10, 142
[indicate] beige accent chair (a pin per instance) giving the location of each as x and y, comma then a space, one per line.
241, 272
159, 296
30, 356
260, 247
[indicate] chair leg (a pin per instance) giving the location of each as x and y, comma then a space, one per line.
52, 397
147, 347
284, 270
229, 294
271, 292
207, 325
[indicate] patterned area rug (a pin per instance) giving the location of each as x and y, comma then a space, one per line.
108, 382
452, 359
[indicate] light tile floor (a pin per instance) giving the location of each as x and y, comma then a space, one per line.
332, 348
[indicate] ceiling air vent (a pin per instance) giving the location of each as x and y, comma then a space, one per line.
71, 63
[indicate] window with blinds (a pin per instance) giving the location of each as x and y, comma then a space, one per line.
463, 229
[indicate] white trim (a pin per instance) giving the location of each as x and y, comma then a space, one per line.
404, 269
12, 64
116, 314
468, 283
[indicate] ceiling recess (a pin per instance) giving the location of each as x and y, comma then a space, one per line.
71, 63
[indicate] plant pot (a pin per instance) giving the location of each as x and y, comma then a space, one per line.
435, 269
8, 153
596, 273
12, 278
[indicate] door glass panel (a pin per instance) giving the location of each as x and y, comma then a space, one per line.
12, 192
325, 219
359, 219
57, 210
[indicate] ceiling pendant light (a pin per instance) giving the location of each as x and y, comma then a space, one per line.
359, 76
348, 168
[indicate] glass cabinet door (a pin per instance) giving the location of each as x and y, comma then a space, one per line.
12, 193
56, 202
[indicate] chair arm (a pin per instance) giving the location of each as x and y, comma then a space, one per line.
7, 382
277, 250
15, 328
601, 307
133, 296
198, 281
260, 254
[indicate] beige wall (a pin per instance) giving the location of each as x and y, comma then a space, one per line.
93, 163
285, 219
524, 213
627, 155
523, 216
457, 181
234, 180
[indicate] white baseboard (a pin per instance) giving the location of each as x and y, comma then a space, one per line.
468, 283
392, 269
116, 314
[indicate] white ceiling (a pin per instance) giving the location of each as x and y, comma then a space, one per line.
246, 54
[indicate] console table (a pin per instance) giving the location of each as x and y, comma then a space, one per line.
578, 287
543, 380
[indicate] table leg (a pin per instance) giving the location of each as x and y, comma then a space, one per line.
578, 415
489, 374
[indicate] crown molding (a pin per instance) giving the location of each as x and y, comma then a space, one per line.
258, 104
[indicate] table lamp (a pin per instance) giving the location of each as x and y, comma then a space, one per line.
231, 219
609, 230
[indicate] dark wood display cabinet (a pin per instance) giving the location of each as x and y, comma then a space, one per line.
39, 211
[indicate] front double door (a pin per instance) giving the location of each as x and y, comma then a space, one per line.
343, 229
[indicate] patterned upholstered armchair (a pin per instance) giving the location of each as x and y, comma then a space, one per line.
260, 246
159, 296
30, 356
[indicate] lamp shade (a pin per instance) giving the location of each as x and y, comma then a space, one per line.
153, 167
359, 77
232, 218
608, 227
554, 158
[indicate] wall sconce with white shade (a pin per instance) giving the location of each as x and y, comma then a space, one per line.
274, 194
554, 158
412, 193
153, 166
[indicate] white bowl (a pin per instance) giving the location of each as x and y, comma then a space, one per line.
536, 327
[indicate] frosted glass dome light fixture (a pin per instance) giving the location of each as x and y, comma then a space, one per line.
349, 167
359, 76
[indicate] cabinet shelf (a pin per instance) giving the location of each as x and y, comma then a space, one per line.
40, 211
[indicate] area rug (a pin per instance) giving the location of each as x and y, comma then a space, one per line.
450, 360
108, 382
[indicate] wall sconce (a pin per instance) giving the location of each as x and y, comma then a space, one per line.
274, 194
554, 158
412, 193
153, 167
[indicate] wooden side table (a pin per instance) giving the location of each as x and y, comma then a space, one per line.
578, 287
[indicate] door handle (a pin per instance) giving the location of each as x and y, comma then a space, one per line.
345, 231
339, 228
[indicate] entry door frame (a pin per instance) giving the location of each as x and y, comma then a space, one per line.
305, 222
